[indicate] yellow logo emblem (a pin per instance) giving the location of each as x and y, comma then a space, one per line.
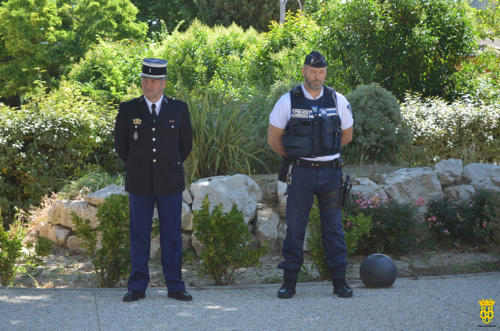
487, 311
137, 121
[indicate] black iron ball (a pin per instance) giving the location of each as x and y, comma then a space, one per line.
378, 270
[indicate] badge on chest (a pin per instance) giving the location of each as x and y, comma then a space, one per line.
136, 122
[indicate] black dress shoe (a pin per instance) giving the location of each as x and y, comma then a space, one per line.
133, 296
287, 290
180, 295
342, 290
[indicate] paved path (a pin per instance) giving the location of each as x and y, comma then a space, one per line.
429, 303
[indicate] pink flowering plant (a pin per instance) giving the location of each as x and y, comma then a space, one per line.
393, 223
475, 221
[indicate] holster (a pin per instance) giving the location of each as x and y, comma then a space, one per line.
346, 190
283, 175
336, 198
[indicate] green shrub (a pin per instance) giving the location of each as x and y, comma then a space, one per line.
475, 221
108, 245
48, 140
378, 134
109, 70
411, 45
10, 253
461, 130
201, 53
226, 240
315, 242
393, 224
18, 258
356, 227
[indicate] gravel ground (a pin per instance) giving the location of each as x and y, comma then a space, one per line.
65, 269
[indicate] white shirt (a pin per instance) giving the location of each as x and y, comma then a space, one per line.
282, 113
157, 103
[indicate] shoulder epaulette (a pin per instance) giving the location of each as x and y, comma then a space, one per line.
297, 91
334, 94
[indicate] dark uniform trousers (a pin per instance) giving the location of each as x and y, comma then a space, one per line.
141, 215
307, 182
153, 151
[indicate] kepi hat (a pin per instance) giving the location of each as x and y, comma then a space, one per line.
315, 59
154, 68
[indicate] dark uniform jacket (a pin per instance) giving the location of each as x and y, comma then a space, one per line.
153, 152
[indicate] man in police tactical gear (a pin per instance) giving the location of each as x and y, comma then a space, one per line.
308, 127
153, 136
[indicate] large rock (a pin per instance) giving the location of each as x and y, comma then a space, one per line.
75, 244
281, 231
99, 196
186, 197
155, 249
228, 190
409, 185
282, 199
308, 234
59, 234
186, 217
60, 212
43, 228
460, 192
482, 176
266, 227
368, 188
449, 171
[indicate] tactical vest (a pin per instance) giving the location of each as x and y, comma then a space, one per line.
314, 127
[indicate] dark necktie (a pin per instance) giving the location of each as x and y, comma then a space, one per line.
153, 112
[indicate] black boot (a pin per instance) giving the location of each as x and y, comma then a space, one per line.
341, 288
287, 290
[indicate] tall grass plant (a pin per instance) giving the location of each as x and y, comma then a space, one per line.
223, 140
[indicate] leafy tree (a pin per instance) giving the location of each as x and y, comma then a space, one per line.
173, 13
31, 40
246, 13
401, 44
107, 18
40, 38
488, 19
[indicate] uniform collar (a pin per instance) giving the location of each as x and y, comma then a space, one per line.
157, 103
309, 96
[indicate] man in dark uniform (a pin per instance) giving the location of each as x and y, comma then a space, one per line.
153, 136
308, 126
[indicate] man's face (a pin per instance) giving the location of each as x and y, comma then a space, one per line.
314, 77
153, 88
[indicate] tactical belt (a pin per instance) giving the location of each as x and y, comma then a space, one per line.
335, 163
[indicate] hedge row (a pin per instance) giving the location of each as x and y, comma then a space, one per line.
462, 130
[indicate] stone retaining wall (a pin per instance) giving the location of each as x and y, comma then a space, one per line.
263, 205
